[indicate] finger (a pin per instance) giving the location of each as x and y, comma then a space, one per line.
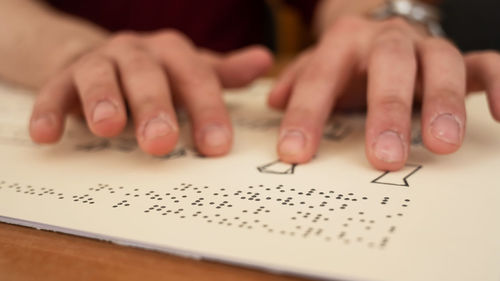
443, 110
96, 80
282, 89
53, 103
313, 96
483, 73
241, 67
391, 78
148, 96
198, 88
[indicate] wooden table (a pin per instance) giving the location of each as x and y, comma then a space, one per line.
30, 254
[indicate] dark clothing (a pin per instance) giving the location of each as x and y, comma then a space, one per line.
220, 25
225, 25
472, 24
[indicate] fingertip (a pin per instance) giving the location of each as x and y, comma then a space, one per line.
242, 67
107, 119
295, 147
388, 151
159, 146
214, 140
109, 128
444, 134
384, 166
158, 136
262, 56
45, 128
494, 101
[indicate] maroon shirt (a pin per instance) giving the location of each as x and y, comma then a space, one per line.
221, 25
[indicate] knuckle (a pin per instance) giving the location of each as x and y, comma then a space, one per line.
147, 102
447, 97
96, 63
397, 23
440, 46
346, 24
493, 56
394, 104
394, 35
124, 38
394, 41
196, 83
172, 37
137, 60
97, 91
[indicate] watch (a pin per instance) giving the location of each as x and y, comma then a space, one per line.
414, 11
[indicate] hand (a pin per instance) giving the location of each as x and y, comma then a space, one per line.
382, 66
146, 72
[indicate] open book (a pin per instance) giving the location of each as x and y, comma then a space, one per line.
334, 218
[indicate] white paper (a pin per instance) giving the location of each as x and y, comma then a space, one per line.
334, 218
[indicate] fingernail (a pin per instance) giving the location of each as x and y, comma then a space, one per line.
157, 127
103, 110
389, 147
292, 142
215, 136
43, 122
446, 127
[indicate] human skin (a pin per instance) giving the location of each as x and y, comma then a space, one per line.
76, 65
383, 66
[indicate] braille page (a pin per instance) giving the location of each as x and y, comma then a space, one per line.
334, 218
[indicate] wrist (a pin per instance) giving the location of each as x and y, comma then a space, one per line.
328, 11
418, 13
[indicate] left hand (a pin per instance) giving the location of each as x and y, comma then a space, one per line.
383, 66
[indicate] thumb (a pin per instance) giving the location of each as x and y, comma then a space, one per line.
241, 67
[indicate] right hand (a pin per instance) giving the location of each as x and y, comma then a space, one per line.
146, 72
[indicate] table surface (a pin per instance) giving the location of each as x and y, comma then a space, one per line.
30, 254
